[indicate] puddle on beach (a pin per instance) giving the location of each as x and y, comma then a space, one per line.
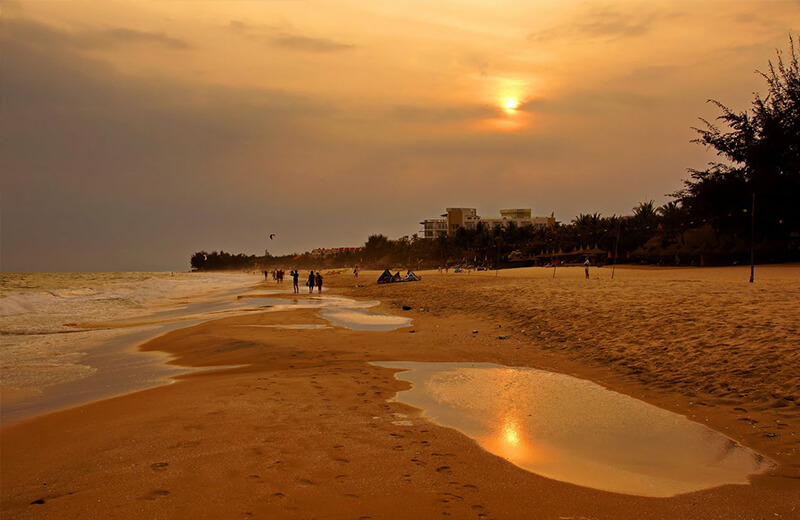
362, 319
299, 326
344, 312
573, 430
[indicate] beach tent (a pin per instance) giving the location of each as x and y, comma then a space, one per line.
388, 277
596, 250
411, 277
385, 277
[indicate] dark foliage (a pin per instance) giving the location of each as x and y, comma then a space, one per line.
760, 155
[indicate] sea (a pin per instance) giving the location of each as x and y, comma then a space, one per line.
67, 338
71, 338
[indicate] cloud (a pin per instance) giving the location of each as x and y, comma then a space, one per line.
308, 44
287, 37
96, 161
603, 23
47, 36
122, 35
453, 114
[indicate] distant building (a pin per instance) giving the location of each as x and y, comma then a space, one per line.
334, 251
468, 218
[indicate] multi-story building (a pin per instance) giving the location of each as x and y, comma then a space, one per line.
434, 227
468, 218
335, 251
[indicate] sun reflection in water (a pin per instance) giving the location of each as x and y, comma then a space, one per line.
510, 434
511, 441
575, 431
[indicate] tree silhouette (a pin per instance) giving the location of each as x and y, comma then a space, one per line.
760, 155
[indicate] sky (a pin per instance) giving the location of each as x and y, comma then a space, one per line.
133, 134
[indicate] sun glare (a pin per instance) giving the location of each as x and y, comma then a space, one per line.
510, 104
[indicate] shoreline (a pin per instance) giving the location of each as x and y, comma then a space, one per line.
305, 392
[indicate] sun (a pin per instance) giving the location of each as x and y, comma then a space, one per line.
510, 104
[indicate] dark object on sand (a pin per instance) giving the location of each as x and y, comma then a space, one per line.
406, 307
388, 277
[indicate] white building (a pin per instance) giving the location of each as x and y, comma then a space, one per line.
468, 218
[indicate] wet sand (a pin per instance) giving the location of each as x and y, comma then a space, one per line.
305, 429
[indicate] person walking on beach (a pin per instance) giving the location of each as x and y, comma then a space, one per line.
586, 267
319, 282
355, 272
312, 281
296, 280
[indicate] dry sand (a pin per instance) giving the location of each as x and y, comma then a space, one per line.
304, 429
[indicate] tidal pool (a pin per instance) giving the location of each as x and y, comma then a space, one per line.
363, 319
344, 312
576, 431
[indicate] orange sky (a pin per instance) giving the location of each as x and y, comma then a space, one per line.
140, 132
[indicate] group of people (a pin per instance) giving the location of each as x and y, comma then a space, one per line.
277, 275
314, 280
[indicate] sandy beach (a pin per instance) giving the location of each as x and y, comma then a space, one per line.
303, 426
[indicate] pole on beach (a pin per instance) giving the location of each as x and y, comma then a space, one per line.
616, 248
497, 266
753, 240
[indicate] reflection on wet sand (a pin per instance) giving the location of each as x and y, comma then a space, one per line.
575, 431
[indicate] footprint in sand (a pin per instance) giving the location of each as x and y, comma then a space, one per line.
340, 478
155, 494
306, 482
185, 444
344, 461
159, 466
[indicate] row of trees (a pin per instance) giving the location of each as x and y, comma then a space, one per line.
748, 199
759, 164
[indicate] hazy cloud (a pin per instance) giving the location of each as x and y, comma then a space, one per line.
288, 38
605, 23
308, 44
121, 35
46, 35
96, 162
426, 114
